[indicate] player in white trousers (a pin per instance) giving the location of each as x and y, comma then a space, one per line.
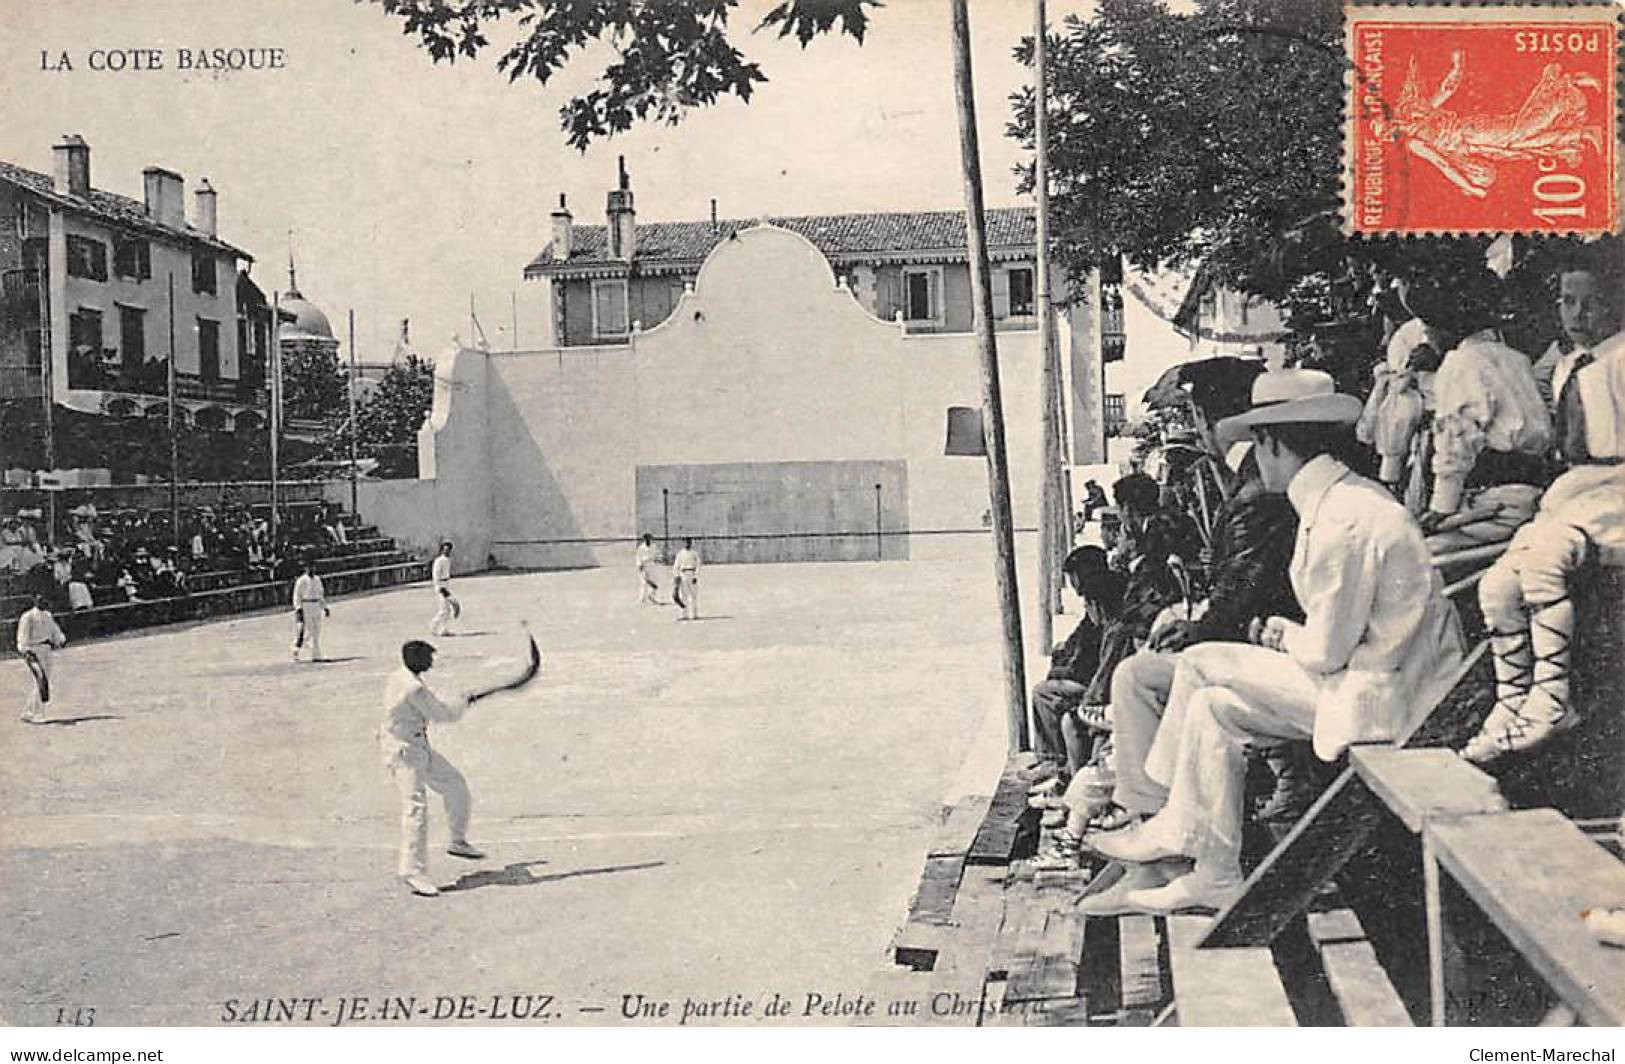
648, 586
38, 637
686, 568
447, 608
309, 607
403, 739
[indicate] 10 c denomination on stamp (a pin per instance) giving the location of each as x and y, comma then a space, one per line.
1482, 119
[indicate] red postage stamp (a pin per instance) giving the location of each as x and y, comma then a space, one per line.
1482, 119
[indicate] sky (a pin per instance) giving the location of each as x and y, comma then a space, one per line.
409, 187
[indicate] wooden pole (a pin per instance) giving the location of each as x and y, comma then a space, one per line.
998, 477
1049, 540
47, 377
274, 368
174, 448
354, 490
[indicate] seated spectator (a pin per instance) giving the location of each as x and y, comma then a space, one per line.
1379, 645
1588, 308
1491, 431
1074, 663
1526, 594
79, 597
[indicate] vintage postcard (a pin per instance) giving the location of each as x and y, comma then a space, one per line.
534, 515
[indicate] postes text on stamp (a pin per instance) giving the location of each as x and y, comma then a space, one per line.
1481, 119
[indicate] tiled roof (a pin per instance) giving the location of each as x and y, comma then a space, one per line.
836, 235
109, 207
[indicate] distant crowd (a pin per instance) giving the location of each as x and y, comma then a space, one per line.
108, 557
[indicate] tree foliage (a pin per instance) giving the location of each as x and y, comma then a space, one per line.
388, 422
314, 386
670, 55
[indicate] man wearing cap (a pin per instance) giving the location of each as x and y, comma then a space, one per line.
403, 739
1378, 645
309, 607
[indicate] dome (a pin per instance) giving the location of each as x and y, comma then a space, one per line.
307, 318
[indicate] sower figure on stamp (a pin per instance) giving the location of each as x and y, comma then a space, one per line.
309, 607
38, 637
447, 608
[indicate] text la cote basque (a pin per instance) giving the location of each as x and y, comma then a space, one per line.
120, 60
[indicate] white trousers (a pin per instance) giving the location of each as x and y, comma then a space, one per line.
32, 703
418, 770
1224, 697
443, 613
648, 585
690, 583
312, 613
1141, 687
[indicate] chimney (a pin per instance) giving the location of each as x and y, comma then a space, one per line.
166, 196
72, 166
206, 217
561, 231
621, 217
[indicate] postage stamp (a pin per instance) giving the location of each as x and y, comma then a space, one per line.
1475, 119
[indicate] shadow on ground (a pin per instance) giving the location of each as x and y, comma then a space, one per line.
519, 874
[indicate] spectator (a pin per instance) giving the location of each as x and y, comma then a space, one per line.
1074, 663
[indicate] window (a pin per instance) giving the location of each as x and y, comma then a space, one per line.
132, 257
1116, 414
203, 279
132, 334
609, 307
922, 294
208, 349
87, 258
1021, 292
20, 216
85, 350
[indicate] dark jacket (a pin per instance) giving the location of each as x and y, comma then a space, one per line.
1253, 540
1079, 657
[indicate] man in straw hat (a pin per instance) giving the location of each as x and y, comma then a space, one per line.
1378, 643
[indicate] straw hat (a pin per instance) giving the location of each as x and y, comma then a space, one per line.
1293, 396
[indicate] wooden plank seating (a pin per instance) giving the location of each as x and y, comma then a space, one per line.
1534, 901
1237, 987
1364, 994
1009, 821
1335, 827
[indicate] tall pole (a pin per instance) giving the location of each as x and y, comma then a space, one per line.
354, 490
1049, 542
998, 475
174, 447
274, 368
47, 377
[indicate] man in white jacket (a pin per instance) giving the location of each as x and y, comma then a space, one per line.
309, 607
447, 608
1379, 644
38, 637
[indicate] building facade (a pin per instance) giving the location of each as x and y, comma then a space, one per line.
99, 288
610, 280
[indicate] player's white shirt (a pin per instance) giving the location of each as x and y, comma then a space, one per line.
646, 554
308, 588
440, 571
37, 626
687, 561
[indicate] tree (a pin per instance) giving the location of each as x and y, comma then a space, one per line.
388, 422
671, 55
314, 387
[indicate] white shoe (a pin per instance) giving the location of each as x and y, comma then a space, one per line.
1198, 890
464, 848
1131, 844
420, 885
31, 717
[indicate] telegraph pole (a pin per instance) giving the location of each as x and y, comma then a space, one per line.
1050, 542
354, 490
174, 447
998, 474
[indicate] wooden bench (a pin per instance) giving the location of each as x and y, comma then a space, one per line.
1237, 987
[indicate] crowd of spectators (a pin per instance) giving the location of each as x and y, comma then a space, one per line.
107, 557
1261, 595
